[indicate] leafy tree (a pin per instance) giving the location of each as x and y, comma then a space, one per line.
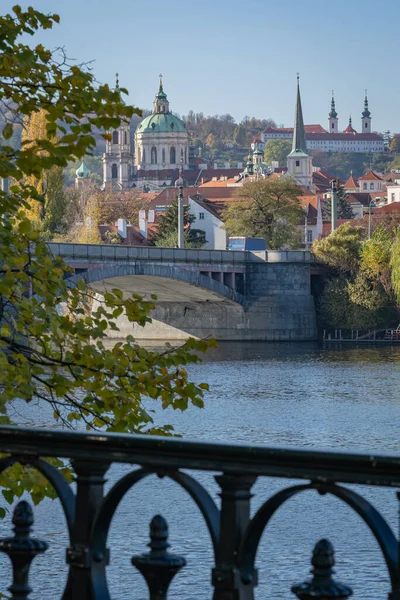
353, 304
51, 339
344, 210
210, 141
277, 150
56, 202
267, 208
395, 145
395, 266
167, 230
239, 136
375, 258
341, 249
34, 128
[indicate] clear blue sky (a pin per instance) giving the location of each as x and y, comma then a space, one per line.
241, 57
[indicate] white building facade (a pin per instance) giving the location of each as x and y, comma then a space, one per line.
321, 140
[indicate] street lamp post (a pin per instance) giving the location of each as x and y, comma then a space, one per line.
333, 206
179, 185
370, 205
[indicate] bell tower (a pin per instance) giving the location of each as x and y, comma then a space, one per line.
117, 158
298, 161
366, 117
333, 118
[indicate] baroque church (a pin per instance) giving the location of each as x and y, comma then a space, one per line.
161, 146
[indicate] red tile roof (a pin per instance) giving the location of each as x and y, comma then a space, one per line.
307, 128
349, 129
351, 183
133, 235
370, 175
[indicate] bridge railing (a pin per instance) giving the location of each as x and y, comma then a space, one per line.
234, 535
105, 252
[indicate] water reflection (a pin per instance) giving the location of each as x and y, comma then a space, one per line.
278, 394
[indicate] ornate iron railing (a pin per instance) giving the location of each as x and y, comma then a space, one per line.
234, 535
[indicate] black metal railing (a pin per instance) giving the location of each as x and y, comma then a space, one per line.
235, 536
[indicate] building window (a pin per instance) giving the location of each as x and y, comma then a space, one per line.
115, 137
309, 236
125, 138
163, 155
172, 155
366, 124
392, 196
153, 156
114, 171
144, 155
139, 154
297, 163
365, 186
201, 216
371, 186
182, 153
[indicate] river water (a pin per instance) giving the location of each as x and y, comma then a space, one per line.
297, 395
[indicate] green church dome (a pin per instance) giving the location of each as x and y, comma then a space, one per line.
83, 172
161, 123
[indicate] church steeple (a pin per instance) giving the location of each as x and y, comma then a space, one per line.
366, 116
299, 136
161, 104
333, 120
333, 112
366, 112
299, 162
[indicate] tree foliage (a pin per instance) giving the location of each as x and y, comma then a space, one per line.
56, 202
167, 230
395, 144
343, 206
267, 208
277, 150
359, 292
341, 249
52, 342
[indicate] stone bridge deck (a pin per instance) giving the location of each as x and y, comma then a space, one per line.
227, 294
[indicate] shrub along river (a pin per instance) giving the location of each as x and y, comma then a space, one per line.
297, 395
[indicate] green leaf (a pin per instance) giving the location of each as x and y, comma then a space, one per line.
8, 131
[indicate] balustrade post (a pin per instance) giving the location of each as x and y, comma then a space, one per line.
21, 549
235, 515
89, 495
158, 566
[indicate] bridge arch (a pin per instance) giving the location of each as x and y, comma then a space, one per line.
105, 275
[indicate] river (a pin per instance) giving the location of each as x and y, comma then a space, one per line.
277, 394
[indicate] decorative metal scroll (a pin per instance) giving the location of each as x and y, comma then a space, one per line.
234, 535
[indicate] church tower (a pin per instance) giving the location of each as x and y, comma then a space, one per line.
366, 117
333, 118
298, 161
117, 159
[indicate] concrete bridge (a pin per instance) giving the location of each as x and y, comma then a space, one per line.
225, 294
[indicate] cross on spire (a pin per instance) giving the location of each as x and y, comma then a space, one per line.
116, 80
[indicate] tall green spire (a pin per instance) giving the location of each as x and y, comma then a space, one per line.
333, 113
366, 113
299, 136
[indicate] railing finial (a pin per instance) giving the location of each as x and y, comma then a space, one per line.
21, 549
158, 566
322, 586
